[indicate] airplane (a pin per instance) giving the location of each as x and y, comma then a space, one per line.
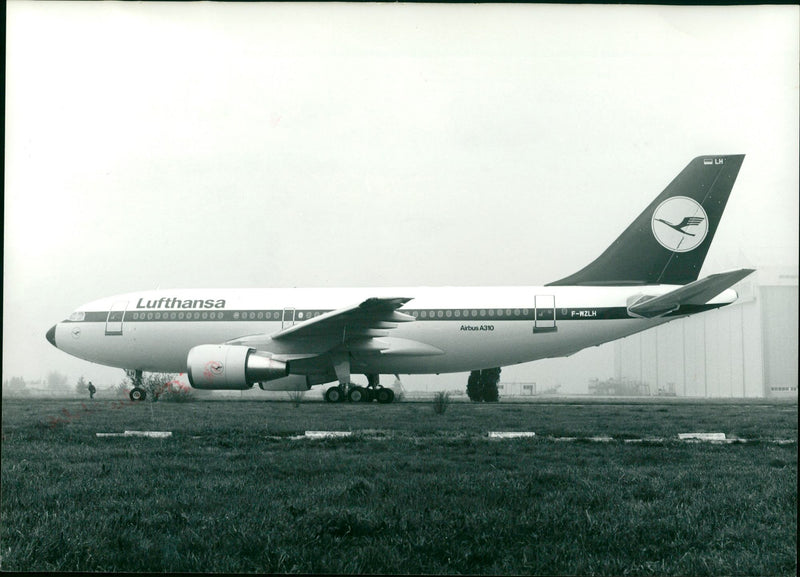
294, 339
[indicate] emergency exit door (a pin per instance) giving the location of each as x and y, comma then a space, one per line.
544, 314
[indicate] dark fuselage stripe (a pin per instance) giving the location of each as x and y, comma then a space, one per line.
456, 315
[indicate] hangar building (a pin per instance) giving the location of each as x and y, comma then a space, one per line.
747, 349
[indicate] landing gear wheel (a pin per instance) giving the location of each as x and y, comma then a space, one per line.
357, 395
334, 395
384, 395
137, 394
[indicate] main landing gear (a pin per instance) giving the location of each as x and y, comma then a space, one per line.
137, 392
374, 391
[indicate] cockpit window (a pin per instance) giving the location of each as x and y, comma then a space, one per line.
77, 316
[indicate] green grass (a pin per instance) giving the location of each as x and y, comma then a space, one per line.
229, 493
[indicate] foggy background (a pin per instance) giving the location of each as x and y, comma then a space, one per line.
279, 145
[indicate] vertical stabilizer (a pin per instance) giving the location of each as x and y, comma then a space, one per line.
668, 242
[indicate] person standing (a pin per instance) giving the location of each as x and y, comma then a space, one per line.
92, 390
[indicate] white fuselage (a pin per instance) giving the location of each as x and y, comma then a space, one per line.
473, 327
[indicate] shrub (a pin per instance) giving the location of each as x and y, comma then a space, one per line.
176, 393
440, 402
158, 387
296, 397
122, 388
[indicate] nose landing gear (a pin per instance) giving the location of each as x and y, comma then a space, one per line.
137, 392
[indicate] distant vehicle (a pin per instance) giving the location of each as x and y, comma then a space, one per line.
293, 339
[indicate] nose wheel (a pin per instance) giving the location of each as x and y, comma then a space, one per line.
137, 393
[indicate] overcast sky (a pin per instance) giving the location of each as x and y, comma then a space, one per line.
278, 145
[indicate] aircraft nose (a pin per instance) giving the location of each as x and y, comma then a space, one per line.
51, 336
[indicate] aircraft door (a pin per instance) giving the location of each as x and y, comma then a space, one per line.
115, 316
545, 313
288, 318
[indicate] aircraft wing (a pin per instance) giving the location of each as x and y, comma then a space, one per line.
698, 292
366, 320
362, 328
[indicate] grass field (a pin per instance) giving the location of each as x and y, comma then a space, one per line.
416, 493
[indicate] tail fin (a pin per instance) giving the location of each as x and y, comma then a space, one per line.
668, 242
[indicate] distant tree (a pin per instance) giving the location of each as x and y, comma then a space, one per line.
80, 386
489, 380
474, 390
14, 385
56, 380
482, 385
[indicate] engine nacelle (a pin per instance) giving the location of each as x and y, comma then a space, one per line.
230, 367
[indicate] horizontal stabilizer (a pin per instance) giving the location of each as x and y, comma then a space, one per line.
698, 292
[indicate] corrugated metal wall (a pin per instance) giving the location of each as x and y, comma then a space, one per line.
779, 319
748, 349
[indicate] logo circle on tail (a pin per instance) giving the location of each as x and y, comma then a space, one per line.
679, 224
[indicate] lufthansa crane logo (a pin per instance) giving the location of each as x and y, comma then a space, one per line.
213, 369
679, 224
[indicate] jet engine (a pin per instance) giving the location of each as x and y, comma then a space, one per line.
230, 367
